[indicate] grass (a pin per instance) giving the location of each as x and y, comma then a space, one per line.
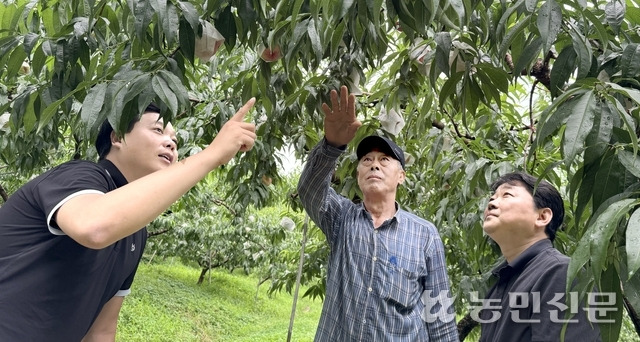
166, 304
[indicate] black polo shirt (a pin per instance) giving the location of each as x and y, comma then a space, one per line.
51, 287
528, 301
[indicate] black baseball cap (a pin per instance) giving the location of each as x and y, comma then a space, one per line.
385, 145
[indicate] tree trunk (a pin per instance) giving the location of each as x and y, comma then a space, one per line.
202, 274
298, 276
632, 314
465, 326
3, 194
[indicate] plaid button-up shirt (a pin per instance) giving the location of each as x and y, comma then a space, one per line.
378, 280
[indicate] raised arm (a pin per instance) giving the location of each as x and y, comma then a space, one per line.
98, 220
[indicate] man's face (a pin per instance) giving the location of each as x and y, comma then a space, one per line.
378, 172
149, 147
511, 214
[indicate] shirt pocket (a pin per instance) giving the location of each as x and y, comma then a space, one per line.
400, 287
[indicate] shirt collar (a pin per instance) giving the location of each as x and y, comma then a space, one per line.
113, 171
523, 259
391, 221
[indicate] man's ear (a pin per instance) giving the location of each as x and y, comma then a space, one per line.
544, 217
402, 177
115, 140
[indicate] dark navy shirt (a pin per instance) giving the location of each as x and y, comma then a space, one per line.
51, 287
528, 301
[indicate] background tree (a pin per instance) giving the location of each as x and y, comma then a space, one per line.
469, 88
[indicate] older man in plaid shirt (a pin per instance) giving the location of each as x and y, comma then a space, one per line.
387, 278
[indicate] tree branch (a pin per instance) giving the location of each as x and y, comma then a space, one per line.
3, 194
223, 204
540, 69
465, 326
158, 232
457, 130
632, 314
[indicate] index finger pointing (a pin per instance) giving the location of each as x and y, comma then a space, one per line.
240, 114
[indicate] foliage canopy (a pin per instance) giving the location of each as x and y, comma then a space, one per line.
470, 89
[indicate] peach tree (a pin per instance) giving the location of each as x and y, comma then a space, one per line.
469, 88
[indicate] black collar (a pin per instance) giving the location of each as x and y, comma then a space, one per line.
113, 171
519, 263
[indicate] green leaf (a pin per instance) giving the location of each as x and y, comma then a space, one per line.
516, 31
345, 7
316, 44
598, 139
501, 27
187, 40
142, 12
177, 88
226, 25
16, 59
38, 60
404, 14
587, 184
30, 40
92, 106
633, 16
632, 243
165, 93
458, 7
603, 36
295, 11
630, 161
499, 77
610, 179
631, 93
578, 126
600, 231
8, 43
449, 87
528, 55
443, 48
614, 11
610, 283
48, 112
579, 259
549, 22
190, 13
488, 86
531, 5
630, 60
632, 291
170, 22
298, 33
376, 10
583, 50
562, 69
627, 121
550, 120
336, 37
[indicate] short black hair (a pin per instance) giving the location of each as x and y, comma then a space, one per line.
544, 195
103, 140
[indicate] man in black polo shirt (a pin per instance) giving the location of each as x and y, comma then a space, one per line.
71, 239
528, 301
